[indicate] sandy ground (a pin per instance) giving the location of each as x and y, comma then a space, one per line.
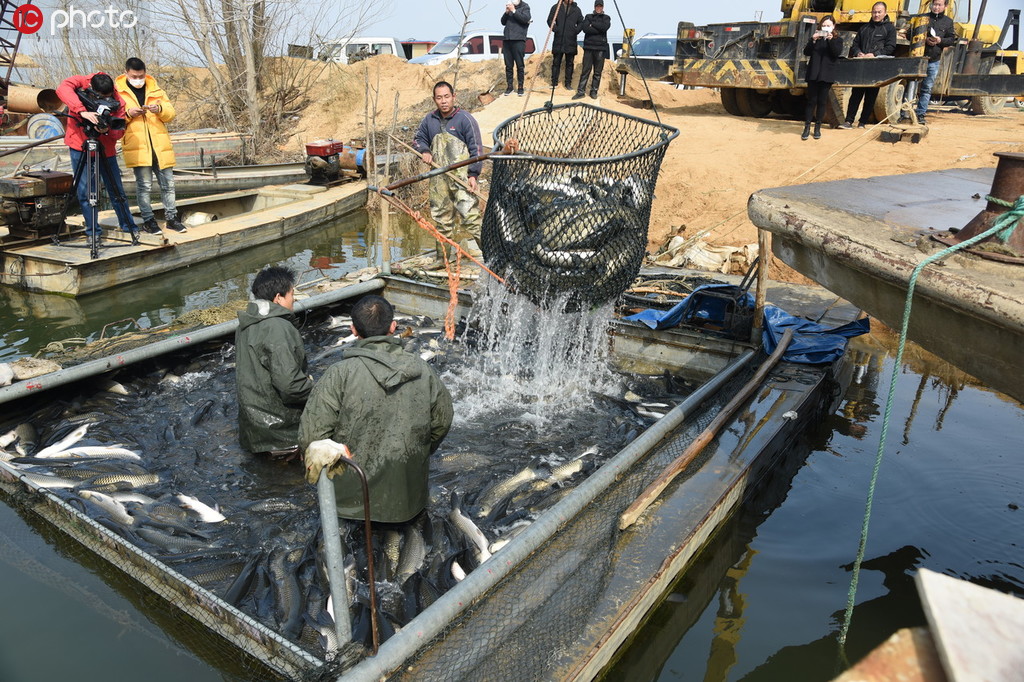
709, 171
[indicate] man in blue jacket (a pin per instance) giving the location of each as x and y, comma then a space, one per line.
516, 20
448, 135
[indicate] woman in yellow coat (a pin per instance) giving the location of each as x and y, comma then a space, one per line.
147, 144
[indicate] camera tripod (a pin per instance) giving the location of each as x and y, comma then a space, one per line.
92, 169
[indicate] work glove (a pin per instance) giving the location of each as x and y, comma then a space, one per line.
323, 454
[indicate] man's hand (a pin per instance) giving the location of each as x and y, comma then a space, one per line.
91, 117
933, 40
155, 108
136, 111
868, 54
428, 158
472, 183
323, 454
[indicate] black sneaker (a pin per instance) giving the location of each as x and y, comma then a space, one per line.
149, 225
520, 92
578, 95
176, 225
846, 125
508, 92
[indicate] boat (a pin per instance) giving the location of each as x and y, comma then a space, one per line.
215, 179
218, 225
561, 597
863, 238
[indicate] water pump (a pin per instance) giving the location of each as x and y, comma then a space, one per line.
329, 161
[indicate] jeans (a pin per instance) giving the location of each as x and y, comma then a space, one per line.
592, 60
144, 185
514, 51
925, 97
115, 193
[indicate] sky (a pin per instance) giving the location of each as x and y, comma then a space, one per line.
434, 19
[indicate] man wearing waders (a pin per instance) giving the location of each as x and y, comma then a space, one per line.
446, 136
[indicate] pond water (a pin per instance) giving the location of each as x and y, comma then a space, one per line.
764, 602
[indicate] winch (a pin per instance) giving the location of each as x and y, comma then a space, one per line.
328, 160
32, 203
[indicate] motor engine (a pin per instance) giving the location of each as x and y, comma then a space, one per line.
32, 204
327, 161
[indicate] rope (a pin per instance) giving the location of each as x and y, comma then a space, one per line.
1001, 229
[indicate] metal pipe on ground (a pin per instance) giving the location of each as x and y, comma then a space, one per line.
430, 623
28, 100
92, 368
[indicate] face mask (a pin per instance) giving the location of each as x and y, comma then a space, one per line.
137, 82
826, 29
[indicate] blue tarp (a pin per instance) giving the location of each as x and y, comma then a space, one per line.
812, 343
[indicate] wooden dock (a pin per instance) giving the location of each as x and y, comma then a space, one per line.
253, 217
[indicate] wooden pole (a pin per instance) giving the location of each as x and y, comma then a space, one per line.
764, 246
651, 493
385, 207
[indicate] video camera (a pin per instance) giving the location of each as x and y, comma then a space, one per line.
105, 106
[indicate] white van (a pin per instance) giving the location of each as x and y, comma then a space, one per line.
474, 47
355, 49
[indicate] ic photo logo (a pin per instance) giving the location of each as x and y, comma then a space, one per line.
29, 19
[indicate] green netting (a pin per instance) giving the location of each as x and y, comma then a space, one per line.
569, 213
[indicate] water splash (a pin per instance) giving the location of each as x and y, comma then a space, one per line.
531, 364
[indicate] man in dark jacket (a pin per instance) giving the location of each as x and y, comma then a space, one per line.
447, 135
270, 371
390, 409
516, 20
877, 38
941, 34
565, 21
595, 42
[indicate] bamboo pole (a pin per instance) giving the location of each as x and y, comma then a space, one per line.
651, 493
764, 245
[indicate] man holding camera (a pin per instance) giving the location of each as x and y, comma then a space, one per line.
147, 144
101, 122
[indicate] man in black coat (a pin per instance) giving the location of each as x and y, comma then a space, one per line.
565, 20
516, 20
595, 43
877, 38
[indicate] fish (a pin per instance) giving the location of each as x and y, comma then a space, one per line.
131, 496
469, 529
207, 513
427, 355
339, 346
414, 551
116, 509
170, 378
202, 412
392, 551
171, 543
243, 581
8, 438
495, 494
333, 322
41, 481
111, 386
288, 593
134, 480
96, 451
65, 442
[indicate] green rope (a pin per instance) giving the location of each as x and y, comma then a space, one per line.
1002, 229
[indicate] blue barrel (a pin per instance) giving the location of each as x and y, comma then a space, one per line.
42, 126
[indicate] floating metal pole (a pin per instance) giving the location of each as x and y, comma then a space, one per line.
95, 367
431, 622
335, 558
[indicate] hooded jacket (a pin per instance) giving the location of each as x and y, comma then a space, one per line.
391, 410
74, 136
516, 23
565, 22
146, 133
271, 378
877, 38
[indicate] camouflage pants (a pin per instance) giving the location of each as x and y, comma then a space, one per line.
448, 198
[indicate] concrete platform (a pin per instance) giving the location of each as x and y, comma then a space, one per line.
862, 239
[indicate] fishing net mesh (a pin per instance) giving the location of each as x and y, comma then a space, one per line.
569, 214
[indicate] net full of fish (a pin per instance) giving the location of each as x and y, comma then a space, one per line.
159, 465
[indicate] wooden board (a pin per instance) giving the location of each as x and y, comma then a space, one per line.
977, 630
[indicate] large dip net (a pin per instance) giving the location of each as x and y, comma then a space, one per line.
568, 215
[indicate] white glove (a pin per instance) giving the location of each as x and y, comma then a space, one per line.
323, 454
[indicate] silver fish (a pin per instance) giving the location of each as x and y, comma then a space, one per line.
65, 442
414, 551
134, 480
131, 496
111, 386
470, 530
497, 493
90, 451
207, 513
116, 509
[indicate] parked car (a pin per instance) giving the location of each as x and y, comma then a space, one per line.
351, 50
652, 55
474, 47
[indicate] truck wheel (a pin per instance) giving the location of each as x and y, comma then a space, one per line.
890, 99
991, 105
729, 102
788, 105
753, 103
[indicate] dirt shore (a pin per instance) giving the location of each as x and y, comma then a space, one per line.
709, 171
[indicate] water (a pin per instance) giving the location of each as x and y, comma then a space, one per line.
764, 603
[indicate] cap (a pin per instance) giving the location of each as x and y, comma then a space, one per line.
598, 3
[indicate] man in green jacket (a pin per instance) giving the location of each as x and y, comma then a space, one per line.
390, 409
271, 371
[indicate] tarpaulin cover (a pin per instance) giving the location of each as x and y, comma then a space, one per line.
812, 343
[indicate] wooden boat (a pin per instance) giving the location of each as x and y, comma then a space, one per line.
560, 599
215, 179
863, 238
220, 224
